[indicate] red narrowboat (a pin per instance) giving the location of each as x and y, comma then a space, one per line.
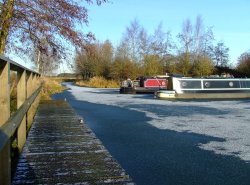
144, 85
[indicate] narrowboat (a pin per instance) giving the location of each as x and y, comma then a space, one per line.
205, 88
144, 85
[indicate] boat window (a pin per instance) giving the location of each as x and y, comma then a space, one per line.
221, 84
190, 84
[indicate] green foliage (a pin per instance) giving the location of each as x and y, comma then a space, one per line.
244, 64
185, 63
203, 66
123, 68
170, 65
152, 65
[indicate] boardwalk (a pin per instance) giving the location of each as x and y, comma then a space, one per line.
61, 150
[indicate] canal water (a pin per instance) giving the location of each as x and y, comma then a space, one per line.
169, 142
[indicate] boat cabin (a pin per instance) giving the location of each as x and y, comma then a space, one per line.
206, 88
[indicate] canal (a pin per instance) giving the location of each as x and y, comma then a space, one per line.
169, 142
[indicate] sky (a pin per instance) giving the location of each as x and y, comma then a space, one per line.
230, 19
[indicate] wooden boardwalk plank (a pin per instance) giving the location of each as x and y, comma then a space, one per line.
61, 150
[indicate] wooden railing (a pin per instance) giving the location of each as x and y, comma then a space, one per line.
15, 125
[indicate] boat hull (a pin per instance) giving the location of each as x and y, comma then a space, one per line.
138, 90
229, 95
164, 94
127, 90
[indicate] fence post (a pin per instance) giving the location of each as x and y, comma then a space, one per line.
5, 164
21, 97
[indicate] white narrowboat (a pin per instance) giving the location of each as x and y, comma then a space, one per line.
205, 88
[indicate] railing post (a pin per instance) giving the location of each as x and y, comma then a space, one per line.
29, 92
36, 103
4, 92
5, 164
33, 83
21, 97
36, 79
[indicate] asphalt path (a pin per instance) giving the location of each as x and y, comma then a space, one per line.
169, 142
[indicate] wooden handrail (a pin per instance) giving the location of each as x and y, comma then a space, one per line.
15, 66
9, 128
17, 125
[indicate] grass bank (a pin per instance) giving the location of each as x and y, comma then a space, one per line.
98, 82
50, 87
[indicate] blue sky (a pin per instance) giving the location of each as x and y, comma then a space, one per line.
230, 19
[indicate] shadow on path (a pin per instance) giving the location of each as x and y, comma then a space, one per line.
152, 156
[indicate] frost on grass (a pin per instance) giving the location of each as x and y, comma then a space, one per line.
228, 120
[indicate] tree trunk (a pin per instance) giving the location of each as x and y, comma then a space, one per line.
7, 14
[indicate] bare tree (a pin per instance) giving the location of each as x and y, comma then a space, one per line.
45, 59
196, 46
186, 38
161, 42
144, 41
105, 59
24, 22
198, 35
95, 60
84, 65
131, 39
207, 42
202, 39
46, 64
